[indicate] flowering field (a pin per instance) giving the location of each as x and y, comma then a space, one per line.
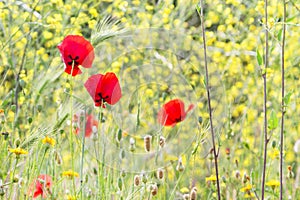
148, 99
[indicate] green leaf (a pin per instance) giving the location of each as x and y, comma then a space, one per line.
195, 148
287, 98
273, 122
279, 35
258, 58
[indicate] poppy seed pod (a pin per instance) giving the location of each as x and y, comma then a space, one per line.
154, 189
147, 142
162, 141
137, 180
160, 173
57, 158
193, 195
186, 196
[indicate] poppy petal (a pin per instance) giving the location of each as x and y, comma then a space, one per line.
110, 88
76, 70
38, 189
47, 179
172, 112
91, 85
75, 51
104, 88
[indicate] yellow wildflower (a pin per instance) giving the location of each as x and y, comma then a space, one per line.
273, 183
70, 197
247, 188
70, 174
1, 111
18, 151
212, 178
49, 140
249, 195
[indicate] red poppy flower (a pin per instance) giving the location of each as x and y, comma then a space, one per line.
104, 88
75, 49
42, 186
173, 112
90, 123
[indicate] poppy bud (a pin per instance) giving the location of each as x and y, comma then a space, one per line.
119, 135
57, 158
147, 142
179, 166
17, 142
120, 183
162, 141
200, 119
137, 180
29, 119
123, 173
39, 108
132, 144
237, 174
144, 177
273, 144
224, 179
13, 108
122, 154
86, 178
160, 173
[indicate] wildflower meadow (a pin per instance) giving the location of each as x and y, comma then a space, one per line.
150, 99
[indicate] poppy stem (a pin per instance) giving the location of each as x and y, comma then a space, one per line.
208, 97
82, 153
282, 100
264, 76
71, 128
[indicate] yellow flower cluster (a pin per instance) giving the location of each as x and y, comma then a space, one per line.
18, 151
70, 174
48, 140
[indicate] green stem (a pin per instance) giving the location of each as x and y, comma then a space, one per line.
82, 153
215, 152
71, 129
282, 100
266, 140
41, 163
13, 176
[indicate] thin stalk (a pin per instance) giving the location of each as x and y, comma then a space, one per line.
209, 99
71, 129
282, 100
264, 75
13, 176
41, 163
82, 152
